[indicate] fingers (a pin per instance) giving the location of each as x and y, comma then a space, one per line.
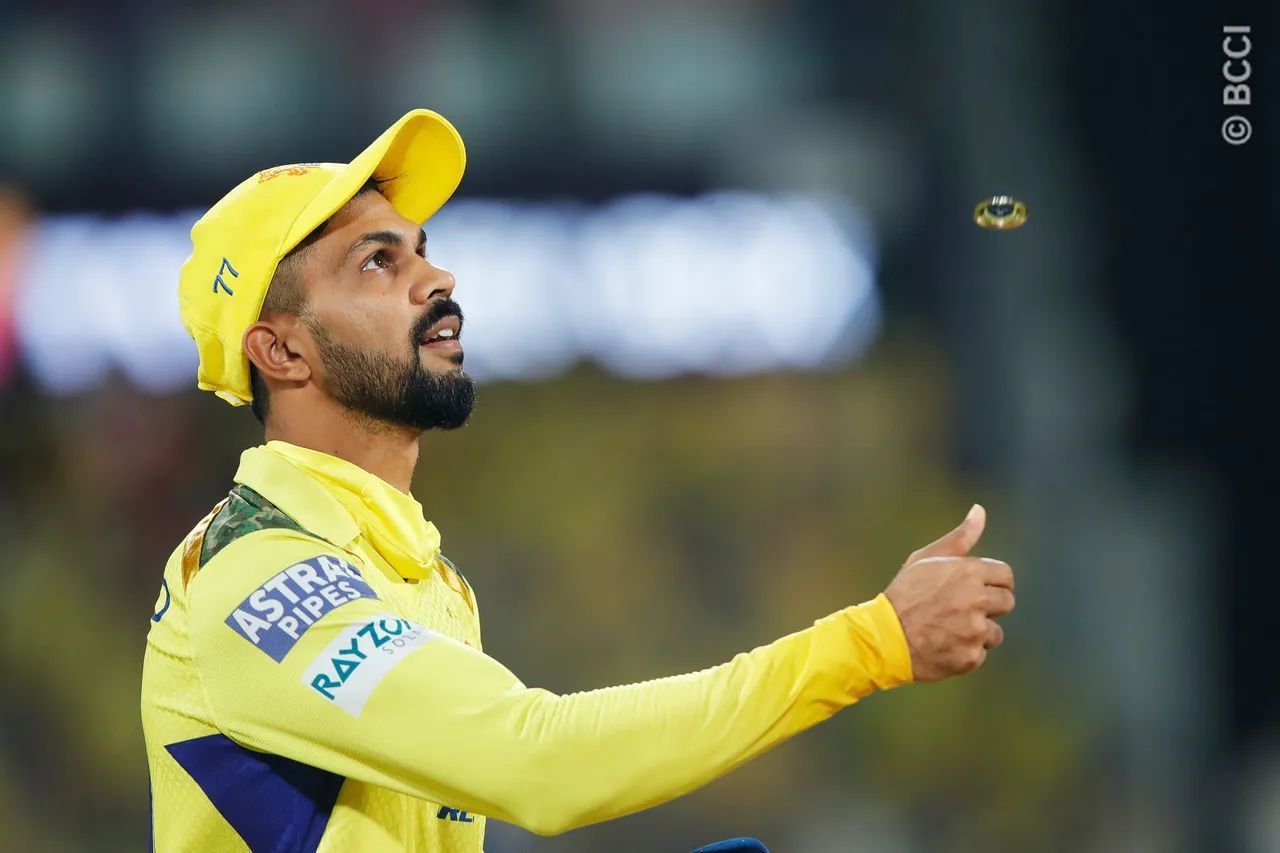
974, 660
958, 542
948, 602
998, 601
995, 572
995, 635
984, 570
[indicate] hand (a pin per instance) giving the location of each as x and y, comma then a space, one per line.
947, 602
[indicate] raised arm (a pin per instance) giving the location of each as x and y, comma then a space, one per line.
367, 695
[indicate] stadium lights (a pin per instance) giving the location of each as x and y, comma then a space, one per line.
646, 286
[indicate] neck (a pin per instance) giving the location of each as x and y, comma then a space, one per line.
387, 451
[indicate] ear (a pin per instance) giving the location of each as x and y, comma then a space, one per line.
275, 347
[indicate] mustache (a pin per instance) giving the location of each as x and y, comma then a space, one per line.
434, 314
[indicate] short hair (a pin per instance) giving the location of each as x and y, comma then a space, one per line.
286, 295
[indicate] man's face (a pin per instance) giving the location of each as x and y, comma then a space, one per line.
383, 320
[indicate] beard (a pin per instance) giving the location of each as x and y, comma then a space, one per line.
400, 393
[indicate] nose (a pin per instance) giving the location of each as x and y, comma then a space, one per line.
433, 283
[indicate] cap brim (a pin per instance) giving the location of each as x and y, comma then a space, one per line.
418, 163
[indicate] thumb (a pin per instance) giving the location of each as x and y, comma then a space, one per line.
958, 542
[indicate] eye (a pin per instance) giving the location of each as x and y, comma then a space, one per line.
377, 261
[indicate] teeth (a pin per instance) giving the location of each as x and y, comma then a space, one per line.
443, 334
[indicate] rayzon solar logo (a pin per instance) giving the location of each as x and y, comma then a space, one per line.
359, 658
278, 613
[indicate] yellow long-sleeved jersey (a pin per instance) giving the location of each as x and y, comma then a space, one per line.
314, 681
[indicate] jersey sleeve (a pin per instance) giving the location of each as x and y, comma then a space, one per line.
299, 657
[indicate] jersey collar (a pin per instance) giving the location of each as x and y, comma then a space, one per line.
339, 501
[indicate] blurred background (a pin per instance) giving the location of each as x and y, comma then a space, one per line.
742, 350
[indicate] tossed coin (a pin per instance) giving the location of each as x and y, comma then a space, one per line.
1000, 213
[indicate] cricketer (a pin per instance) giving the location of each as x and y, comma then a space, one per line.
314, 678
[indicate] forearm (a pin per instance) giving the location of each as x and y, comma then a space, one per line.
587, 757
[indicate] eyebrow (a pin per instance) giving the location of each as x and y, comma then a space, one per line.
392, 239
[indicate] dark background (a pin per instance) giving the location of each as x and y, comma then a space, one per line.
1098, 378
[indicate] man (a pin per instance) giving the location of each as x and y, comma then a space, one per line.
314, 678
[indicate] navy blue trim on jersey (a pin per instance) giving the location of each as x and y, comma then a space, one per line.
277, 805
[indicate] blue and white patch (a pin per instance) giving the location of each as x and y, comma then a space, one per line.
357, 660
276, 615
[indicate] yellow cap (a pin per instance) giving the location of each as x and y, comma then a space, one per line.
237, 244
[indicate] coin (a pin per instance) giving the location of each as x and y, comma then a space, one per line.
1000, 213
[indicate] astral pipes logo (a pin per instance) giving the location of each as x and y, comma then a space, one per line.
278, 613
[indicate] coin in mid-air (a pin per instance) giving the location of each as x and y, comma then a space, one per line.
1000, 213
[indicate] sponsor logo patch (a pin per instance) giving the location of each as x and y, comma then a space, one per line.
454, 814
357, 660
276, 615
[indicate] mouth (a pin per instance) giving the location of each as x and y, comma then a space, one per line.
444, 335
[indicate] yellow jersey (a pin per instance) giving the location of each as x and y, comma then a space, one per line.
314, 681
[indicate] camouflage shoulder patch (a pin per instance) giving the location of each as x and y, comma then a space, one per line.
244, 512
456, 580
453, 566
